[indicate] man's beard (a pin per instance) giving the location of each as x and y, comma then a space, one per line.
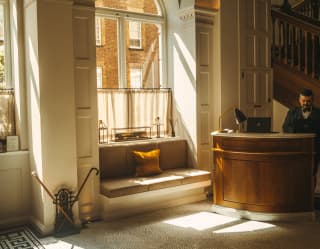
306, 108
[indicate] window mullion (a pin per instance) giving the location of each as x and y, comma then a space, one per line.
163, 56
122, 52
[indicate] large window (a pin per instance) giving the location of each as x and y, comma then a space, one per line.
4, 47
130, 33
7, 116
131, 57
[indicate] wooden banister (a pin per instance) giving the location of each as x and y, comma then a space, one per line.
295, 51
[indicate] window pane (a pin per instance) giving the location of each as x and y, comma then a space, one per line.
99, 77
135, 34
146, 59
140, 6
2, 50
136, 77
107, 53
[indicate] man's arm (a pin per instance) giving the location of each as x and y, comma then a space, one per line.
288, 124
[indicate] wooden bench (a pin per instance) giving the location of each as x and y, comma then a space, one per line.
123, 194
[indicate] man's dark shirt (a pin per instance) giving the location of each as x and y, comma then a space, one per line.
295, 123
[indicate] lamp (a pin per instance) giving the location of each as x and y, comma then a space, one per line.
238, 115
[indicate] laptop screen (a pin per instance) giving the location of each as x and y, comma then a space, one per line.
259, 124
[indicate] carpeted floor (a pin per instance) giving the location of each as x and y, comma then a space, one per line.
19, 238
190, 226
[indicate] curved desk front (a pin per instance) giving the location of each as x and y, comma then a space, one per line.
269, 172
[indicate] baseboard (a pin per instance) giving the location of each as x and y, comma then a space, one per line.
41, 229
16, 221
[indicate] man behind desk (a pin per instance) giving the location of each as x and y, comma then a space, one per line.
305, 119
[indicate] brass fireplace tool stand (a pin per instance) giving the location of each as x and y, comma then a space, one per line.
64, 201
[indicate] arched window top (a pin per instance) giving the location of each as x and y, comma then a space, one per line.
139, 6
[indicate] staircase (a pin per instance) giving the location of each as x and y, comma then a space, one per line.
296, 51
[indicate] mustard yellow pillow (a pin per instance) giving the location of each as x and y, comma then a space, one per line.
147, 163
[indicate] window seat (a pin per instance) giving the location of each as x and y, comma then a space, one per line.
123, 194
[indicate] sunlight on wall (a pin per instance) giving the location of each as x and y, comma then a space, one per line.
35, 108
205, 220
184, 87
248, 226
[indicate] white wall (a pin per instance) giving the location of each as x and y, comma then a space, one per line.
229, 62
51, 103
15, 195
182, 69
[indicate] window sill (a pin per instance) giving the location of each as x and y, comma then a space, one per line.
136, 49
139, 141
13, 153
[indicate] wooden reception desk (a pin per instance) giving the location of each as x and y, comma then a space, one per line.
267, 172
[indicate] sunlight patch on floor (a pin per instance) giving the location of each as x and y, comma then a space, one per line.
248, 226
201, 221
61, 245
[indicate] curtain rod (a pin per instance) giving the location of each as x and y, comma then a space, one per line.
128, 88
136, 89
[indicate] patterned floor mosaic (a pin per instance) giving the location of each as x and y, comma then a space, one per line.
17, 238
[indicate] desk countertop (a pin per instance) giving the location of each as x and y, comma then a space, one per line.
271, 135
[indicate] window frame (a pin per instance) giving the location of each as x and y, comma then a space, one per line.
98, 30
121, 16
7, 44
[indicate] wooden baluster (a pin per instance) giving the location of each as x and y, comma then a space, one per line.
277, 33
285, 27
305, 52
295, 49
292, 35
281, 40
312, 54
273, 50
299, 42
316, 56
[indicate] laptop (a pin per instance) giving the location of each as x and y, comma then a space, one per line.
259, 124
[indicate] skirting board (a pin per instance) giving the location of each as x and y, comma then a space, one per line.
16, 221
124, 206
262, 216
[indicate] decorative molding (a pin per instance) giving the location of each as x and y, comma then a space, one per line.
84, 2
186, 14
200, 14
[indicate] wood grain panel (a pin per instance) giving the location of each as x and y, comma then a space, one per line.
278, 179
81, 37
